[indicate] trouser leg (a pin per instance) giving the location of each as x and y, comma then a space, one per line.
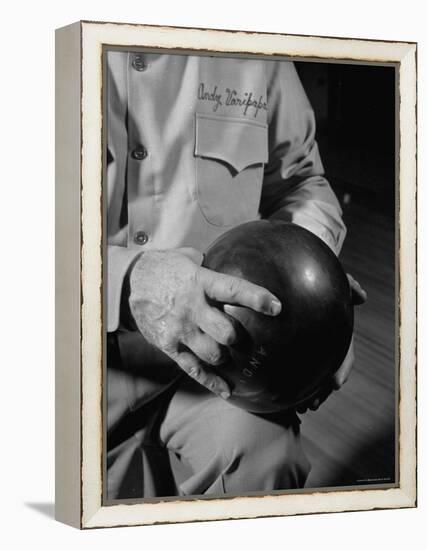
226, 449
139, 383
229, 450
137, 466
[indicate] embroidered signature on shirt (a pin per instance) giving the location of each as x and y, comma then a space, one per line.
231, 98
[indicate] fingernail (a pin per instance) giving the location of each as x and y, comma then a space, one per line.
275, 307
225, 395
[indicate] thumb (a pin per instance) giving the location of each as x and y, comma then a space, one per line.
359, 295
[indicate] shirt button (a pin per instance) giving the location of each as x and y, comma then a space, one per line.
140, 237
139, 153
138, 63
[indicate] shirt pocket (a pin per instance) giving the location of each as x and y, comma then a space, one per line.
230, 154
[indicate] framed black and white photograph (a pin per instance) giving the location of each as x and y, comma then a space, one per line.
236, 274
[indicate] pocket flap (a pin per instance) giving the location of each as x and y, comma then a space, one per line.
240, 143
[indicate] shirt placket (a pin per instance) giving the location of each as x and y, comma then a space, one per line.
140, 182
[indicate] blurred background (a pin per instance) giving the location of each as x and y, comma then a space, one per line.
351, 439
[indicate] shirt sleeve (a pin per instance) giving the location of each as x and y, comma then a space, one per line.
120, 255
294, 187
119, 261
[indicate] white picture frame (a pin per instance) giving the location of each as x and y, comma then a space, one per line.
80, 267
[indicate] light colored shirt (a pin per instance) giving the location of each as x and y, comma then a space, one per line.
199, 144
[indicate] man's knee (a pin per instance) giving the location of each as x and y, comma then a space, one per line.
261, 453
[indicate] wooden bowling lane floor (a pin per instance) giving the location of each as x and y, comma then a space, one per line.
350, 439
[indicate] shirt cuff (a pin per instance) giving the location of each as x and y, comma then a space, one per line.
119, 261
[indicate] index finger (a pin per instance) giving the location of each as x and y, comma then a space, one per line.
234, 290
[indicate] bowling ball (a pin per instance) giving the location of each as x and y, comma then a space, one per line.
281, 361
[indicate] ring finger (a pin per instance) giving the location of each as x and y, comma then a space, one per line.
206, 348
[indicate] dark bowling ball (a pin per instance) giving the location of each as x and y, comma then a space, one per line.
283, 360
